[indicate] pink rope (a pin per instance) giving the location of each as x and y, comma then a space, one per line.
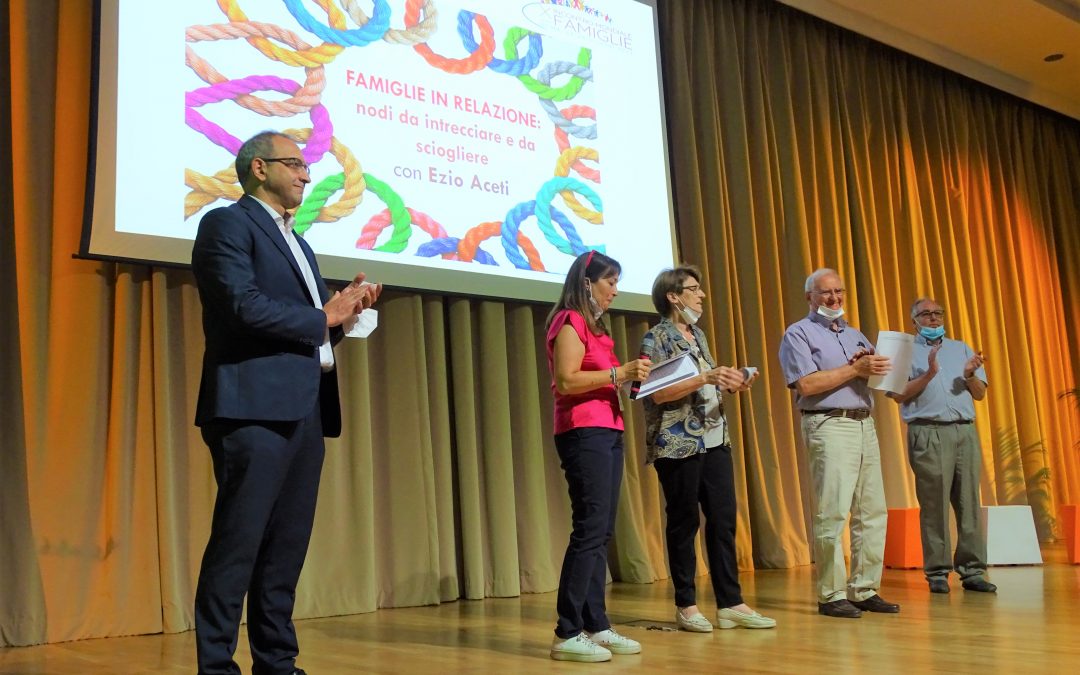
322, 128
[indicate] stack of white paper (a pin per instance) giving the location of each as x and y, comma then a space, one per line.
896, 346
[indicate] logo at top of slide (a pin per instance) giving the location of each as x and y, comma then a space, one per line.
574, 18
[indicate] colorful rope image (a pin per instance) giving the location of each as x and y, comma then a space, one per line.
315, 56
544, 89
381, 220
563, 142
476, 60
371, 31
408, 36
515, 66
307, 96
544, 212
562, 168
351, 182
470, 244
224, 91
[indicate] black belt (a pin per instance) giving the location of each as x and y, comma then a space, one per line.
854, 414
939, 423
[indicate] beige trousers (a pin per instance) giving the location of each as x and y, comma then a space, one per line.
845, 471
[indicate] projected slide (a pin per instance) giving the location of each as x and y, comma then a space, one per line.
467, 148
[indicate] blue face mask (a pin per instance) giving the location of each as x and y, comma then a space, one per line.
932, 333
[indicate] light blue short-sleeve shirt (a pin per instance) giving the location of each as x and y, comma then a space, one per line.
811, 345
946, 398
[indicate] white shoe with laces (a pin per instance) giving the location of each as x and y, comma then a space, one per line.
616, 643
578, 648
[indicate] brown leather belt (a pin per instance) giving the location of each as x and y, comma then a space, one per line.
855, 414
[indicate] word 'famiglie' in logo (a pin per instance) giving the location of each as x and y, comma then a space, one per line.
579, 19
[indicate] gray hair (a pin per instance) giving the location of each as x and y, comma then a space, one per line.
915, 305
259, 145
812, 280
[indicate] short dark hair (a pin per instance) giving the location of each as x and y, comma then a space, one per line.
259, 145
671, 281
591, 265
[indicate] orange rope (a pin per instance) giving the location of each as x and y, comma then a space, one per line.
474, 62
471, 241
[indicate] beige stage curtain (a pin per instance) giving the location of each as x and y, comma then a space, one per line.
797, 145
794, 145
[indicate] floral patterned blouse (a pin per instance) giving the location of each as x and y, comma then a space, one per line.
676, 429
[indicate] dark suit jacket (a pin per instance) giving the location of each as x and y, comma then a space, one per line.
262, 330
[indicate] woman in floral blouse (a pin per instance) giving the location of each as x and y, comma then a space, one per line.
688, 444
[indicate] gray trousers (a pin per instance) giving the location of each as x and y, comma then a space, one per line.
947, 462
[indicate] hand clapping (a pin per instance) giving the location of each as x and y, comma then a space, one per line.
353, 299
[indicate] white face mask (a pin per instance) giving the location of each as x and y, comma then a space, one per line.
597, 310
366, 322
830, 314
690, 316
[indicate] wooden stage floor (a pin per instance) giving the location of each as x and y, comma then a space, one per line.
1030, 626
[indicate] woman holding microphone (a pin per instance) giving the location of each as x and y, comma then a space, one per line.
585, 376
688, 443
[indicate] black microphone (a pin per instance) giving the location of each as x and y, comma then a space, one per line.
635, 386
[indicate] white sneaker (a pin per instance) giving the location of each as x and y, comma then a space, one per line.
695, 624
616, 643
729, 618
578, 648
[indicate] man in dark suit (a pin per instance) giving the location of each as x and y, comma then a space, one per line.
268, 396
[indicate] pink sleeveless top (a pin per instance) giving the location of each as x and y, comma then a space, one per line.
596, 408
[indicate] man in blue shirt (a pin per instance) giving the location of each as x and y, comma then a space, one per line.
947, 377
827, 362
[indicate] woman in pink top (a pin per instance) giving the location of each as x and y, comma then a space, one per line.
585, 376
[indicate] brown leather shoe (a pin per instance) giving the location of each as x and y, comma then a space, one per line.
875, 603
841, 609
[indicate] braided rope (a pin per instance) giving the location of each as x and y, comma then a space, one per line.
208, 189
544, 89
563, 141
562, 168
475, 61
560, 120
372, 30
409, 36
515, 66
399, 217
311, 57
314, 202
222, 185
223, 91
470, 244
381, 220
545, 211
572, 245
447, 246
308, 95
355, 181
